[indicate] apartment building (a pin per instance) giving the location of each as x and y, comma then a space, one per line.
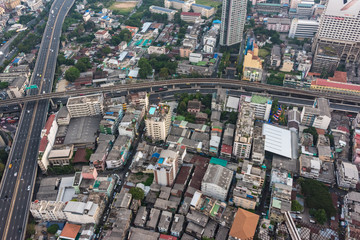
318, 115
262, 106
310, 166
84, 106
232, 22
280, 202
47, 141
166, 168
157, 121
278, 24
244, 131
119, 153
216, 182
48, 210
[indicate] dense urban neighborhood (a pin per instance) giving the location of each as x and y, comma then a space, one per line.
171, 119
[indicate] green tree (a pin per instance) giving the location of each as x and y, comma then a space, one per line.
4, 85
320, 216
145, 68
137, 193
72, 74
313, 132
296, 206
2, 168
164, 72
81, 66
53, 229
3, 156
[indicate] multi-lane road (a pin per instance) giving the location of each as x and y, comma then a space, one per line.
20, 173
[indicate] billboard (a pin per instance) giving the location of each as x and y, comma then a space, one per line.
343, 8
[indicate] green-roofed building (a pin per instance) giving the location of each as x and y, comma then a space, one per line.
262, 106
218, 161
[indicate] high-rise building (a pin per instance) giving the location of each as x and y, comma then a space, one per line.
338, 36
166, 168
85, 106
157, 121
232, 22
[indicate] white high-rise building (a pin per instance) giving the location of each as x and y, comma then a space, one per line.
232, 22
157, 121
338, 36
84, 106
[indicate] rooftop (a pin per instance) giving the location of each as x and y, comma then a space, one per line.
203, 6
218, 175
244, 225
82, 130
70, 231
84, 99
277, 140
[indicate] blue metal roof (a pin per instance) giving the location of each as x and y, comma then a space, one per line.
162, 9
157, 155
202, 6
216, 22
178, 1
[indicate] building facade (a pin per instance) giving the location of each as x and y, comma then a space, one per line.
84, 106
232, 22
157, 121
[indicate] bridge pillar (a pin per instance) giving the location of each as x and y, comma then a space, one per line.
52, 103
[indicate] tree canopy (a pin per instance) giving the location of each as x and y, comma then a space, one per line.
72, 74
137, 193
53, 229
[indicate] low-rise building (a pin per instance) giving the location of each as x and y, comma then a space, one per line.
177, 226
275, 59
252, 70
216, 182
153, 218
82, 212
161, 10
347, 175
206, 11
280, 202
48, 210
309, 166
244, 225
190, 17
318, 116
278, 24
164, 222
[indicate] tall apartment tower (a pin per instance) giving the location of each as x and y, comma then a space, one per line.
338, 37
232, 22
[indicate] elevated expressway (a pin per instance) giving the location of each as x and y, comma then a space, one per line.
17, 183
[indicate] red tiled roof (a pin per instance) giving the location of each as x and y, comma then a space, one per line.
190, 14
328, 83
344, 129
226, 149
339, 77
314, 74
70, 231
49, 122
167, 237
43, 144
80, 156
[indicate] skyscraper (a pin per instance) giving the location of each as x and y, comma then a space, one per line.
232, 22
338, 36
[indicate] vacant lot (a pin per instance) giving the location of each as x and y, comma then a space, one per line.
123, 7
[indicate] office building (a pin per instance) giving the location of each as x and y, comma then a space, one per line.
232, 22
338, 37
216, 182
157, 121
301, 28
84, 106
318, 116
166, 168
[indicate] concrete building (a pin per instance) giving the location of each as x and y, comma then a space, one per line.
280, 202
206, 11
160, 10
252, 70
325, 85
275, 59
185, 6
216, 182
82, 212
48, 210
157, 121
318, 115
119, 153
47, 141
156, 50
309, 166
338, 37
278, 24
190, 17
301, 28
244, 131
351, 209
166, 168
61, 157
347, 175
177, 226
244, 225
262, 106
84, 106
232, 22
164, 222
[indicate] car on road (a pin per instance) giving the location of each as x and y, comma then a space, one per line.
28, 188
15, 174
311, 221
127, 174
10, 165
